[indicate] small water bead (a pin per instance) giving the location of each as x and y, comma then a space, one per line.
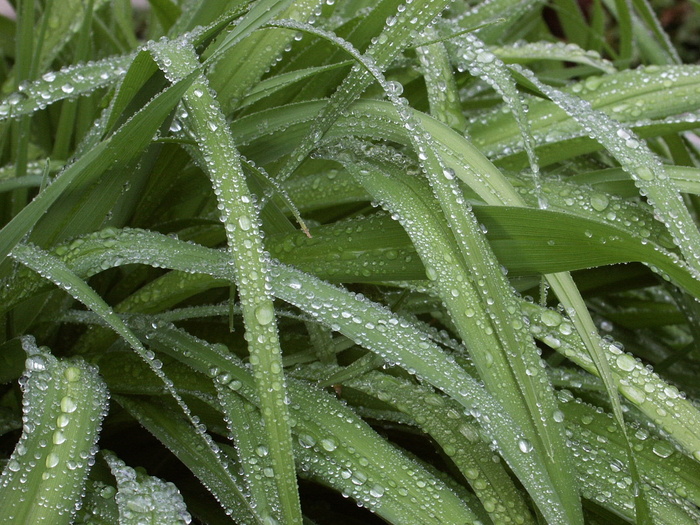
58, 437
633, 393
525, 446
431, 273
626, 362
645, 173
377, 491
67, 88
72, 374
394, 88
245, 223
35, 362
358, 477
551, 318
663, 449
599, 201
52, 460
328, 445
485, 57
68, 405
307, 441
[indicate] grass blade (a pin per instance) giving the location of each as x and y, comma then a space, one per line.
64, 404
240, 216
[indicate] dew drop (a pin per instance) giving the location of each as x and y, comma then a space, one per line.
645, 173
328, 444
633, 393
68, 405
525, 446
626, 362
35, 362
52, 460
265, 313
245, 223
58, 437
599, 201
662, 449
72, 374
551, 318
307, 441
377, 491
485, 57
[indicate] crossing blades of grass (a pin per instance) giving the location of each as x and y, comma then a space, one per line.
124, 144
151, 157
241, 217
332, 444
673, 413
482, 328
208, 464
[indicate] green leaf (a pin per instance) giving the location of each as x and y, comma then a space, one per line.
145, 499
64, 404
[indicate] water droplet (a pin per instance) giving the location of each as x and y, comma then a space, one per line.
328, 444
245, 223
599, 201
35, 362
626, 362
377, 491
662, 449
307, 441
72, 374
68, 405
645, 173
551, 318
485, 57
52, 460
633, 393
265, 313
525, 446
394, 88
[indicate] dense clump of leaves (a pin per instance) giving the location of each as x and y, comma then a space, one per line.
437, 258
